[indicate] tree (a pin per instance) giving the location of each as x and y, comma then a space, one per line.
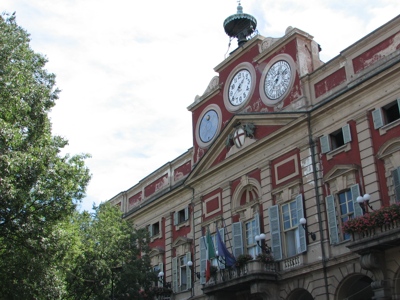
39, 187
113, 261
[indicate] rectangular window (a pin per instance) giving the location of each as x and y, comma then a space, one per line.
154, 229
386, 114
340, 208
244, 237
181, 216
335, 139
181, 273
396, 183
288, 238
290, 227
251, 231
346, 205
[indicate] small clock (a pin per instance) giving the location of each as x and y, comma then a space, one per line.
208, 125
277, 79
239, 86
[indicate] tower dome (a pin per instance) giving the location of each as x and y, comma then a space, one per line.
240, 25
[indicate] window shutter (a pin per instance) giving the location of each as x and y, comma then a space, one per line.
275, 231
398, 104
186, 213
346, 133
176, 218
161, 267
203, 259
377, 118
188, 271
355, 192
396, 182
175, 274
237, 239
332, 223
257, 229
151, 230
325, 146
222, 234
302, 232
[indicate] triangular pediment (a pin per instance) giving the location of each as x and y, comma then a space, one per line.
181, 240
267, 126
156, 251
339, 170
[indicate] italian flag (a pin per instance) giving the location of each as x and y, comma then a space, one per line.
210, 254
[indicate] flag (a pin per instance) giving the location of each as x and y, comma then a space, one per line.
210, 254
230, 260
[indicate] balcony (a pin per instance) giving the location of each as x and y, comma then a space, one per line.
378, 230
245, 278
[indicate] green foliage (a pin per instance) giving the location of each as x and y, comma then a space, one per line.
113, 259
39, 188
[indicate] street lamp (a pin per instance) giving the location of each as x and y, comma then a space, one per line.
363, 201
161, 277
303, 223
260, 239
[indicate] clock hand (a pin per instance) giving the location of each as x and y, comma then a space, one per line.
239, 88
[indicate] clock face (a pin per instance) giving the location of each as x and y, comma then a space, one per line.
208, 126
239, 87
277, 80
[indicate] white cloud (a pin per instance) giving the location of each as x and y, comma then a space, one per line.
128, 70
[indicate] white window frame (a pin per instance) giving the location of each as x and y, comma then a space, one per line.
240, 245
177, 216
334, 215
379, 115
177, 273
277, 230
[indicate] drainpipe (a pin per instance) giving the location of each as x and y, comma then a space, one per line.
194, 242
317, 196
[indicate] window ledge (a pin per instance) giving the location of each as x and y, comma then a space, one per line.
384, 129
182, 224
156, 236
332, 153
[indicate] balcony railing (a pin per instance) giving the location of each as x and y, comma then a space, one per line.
241, 278
378, 238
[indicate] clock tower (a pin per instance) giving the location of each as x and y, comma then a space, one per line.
262, 75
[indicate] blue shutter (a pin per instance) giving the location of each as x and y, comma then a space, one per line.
398, 104
176, 221
186, 213
257, 229
332, 222
151, 230
188, 271
355, 192
396, 182
222, 234
275, 231
325, 146
302, 232
377, 118
175, 274
346, 133
203, 259
237, 239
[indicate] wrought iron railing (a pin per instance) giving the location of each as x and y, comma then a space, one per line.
252, 267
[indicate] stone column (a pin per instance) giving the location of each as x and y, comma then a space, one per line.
374, 261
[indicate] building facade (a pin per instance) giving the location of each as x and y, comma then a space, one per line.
281, 138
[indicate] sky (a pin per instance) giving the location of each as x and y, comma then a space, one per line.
128, 70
